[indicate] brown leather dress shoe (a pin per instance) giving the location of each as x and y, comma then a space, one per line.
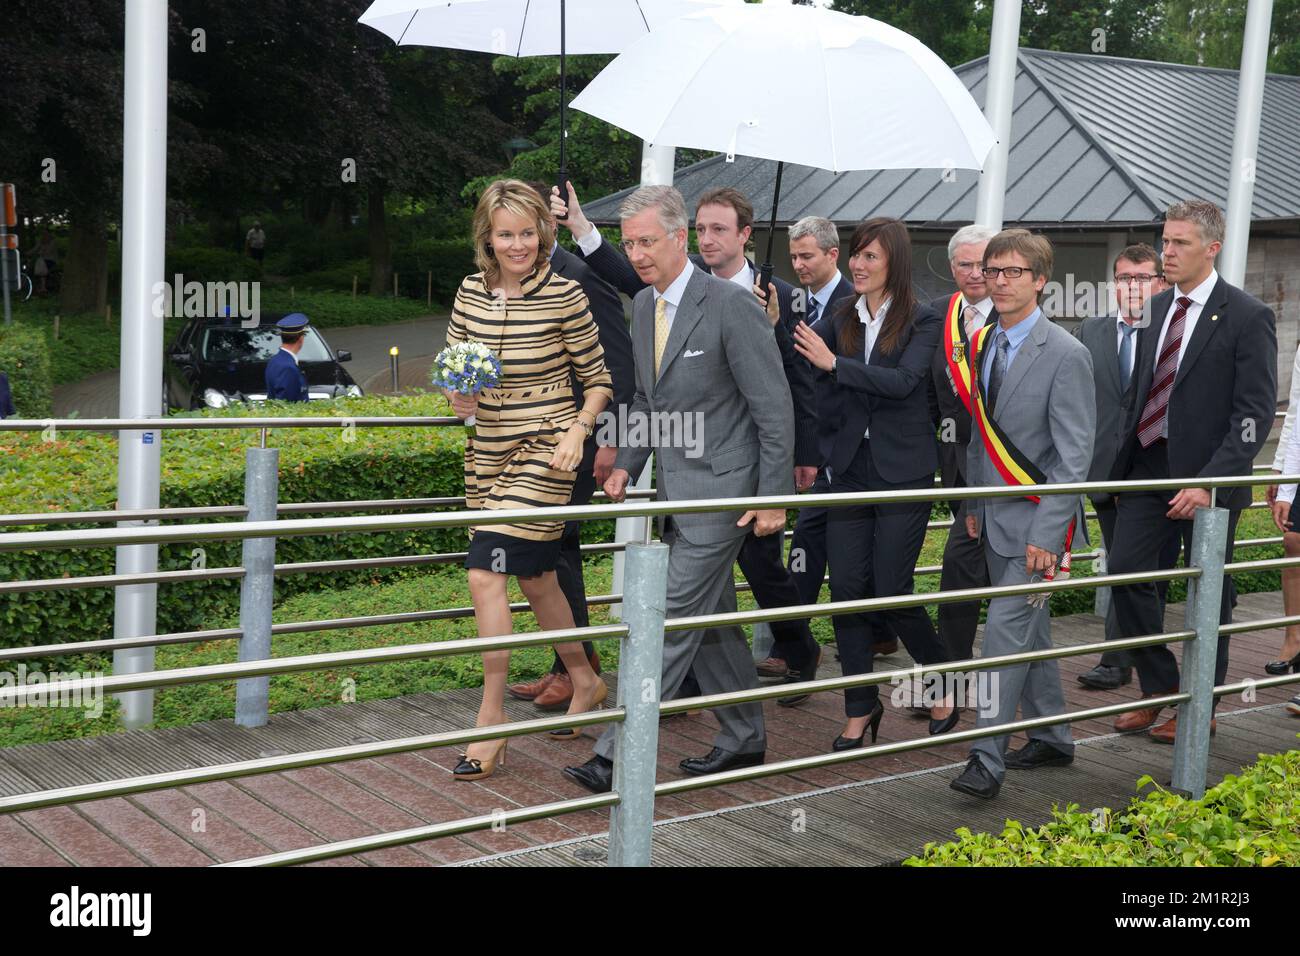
883, 648
557, 695
1139, 719
1166, 732
531, 690
772, 667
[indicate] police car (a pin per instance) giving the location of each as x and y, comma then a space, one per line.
215, 362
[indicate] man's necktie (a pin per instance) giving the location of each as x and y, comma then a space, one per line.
814, 309
999, 371
661, 331
1155, 412
973, 321
1126, 356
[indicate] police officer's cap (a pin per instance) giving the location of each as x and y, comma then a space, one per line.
292, 324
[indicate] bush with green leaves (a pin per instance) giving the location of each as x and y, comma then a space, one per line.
1249, 819
25, 359
77, 471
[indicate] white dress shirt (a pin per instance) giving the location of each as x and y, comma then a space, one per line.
1287, 458
673, 294
590, 242
871, 328
1199, 296
823, 297
744, 278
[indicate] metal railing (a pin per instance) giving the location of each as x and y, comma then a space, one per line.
642, 634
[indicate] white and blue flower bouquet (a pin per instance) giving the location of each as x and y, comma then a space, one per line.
466, 368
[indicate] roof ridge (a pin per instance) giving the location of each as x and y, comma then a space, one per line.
1074, 55
1087, 132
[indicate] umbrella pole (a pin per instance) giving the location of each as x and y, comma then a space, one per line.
765, 271
562, 175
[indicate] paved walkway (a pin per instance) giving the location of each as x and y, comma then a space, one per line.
871, 811
96, 397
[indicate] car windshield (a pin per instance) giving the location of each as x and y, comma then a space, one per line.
249, 346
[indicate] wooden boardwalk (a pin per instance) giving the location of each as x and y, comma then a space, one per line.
869, 812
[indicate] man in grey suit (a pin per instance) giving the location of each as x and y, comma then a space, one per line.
704, 352
1035, 381
1113, 342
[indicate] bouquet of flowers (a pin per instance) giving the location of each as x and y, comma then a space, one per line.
466, 368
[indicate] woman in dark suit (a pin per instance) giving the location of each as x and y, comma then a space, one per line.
874, 359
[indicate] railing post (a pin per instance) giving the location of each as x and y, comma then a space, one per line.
257, 590
1101, 598
640, 671
1204, 596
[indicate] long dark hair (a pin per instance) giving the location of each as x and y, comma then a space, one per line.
892, 234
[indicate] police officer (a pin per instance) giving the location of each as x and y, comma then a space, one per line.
284, 379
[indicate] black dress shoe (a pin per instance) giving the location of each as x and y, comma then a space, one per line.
1037, 753
597, 774
718, 760
946, 724
976, 781
1106, 677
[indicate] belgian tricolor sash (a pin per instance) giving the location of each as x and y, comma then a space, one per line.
1014, 466
954, 350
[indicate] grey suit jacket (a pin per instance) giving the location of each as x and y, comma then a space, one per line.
1048, 410
1114, 403
721, 374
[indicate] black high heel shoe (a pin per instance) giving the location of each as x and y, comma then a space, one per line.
1281, 667
852, 743
947, 723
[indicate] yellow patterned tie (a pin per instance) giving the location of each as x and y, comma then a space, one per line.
661, 331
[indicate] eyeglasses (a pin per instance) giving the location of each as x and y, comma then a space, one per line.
970, 267
1011, 272
1143, 277
645, 243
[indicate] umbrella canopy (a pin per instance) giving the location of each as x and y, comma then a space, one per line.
525, 27
795, 84
528, 28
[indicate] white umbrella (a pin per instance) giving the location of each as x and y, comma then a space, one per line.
528, 28
793, 84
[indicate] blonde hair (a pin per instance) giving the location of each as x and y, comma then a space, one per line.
519, 199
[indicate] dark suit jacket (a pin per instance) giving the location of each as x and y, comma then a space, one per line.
887, 395
7, 409
945, 405
1098, 334
1224, 395
828, 414
611, 327
285, 381
614, 267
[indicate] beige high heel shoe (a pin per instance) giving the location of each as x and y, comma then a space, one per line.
569, 733
471, 768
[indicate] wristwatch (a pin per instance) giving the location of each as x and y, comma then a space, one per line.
832, 371
588, 430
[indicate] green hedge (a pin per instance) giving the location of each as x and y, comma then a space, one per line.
78, 472
205, 264
25, 358
1247, 820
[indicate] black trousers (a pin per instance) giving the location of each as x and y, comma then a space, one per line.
1143, 537
761, 561
808, 562
963, 567
878, 543
1106, 513
568, 568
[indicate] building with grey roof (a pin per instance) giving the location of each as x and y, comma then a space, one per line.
1094, 160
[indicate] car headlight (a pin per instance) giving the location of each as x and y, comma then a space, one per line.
214, 399
353, 391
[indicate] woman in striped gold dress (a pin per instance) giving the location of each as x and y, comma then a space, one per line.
528, 435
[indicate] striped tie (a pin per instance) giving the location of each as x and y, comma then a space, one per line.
1156, 410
